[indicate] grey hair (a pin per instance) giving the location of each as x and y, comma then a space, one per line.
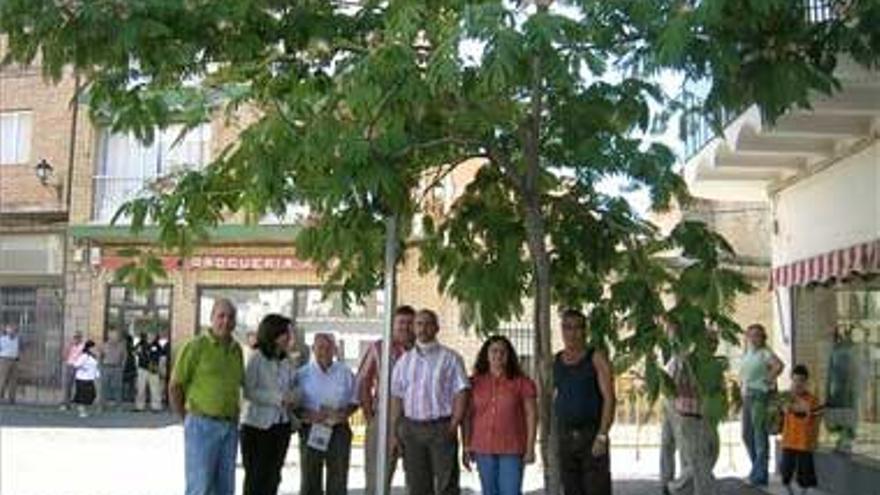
224, 302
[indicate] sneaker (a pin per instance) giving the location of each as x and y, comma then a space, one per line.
63, 407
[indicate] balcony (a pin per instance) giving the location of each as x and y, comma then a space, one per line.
752, 158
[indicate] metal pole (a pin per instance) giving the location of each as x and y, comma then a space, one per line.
385, 363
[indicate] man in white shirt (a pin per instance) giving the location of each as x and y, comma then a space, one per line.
10, 350
328, 399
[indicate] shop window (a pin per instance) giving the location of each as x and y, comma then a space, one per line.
838, 337
15, 137
132, 312
309, 310
127, 166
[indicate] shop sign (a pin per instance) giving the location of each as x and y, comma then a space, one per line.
218, 262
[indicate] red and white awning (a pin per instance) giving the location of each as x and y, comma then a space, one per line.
859, 259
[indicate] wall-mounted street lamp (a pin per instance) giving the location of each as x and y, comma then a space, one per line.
44, 171
46, 175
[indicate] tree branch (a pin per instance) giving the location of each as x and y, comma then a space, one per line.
515, 179
432, 143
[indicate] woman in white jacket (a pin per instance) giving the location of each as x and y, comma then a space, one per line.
270, 396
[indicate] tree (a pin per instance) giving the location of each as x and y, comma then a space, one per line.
354, 105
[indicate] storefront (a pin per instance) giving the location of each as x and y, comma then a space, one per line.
827, 265
255, 268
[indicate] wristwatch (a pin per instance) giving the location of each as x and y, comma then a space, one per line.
602, 437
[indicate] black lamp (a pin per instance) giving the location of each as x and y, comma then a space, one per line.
43, 171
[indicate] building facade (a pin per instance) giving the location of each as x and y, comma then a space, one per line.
37, 126
59, 250
818, 172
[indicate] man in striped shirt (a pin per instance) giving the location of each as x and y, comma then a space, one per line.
693, 431
402, 340
429, 395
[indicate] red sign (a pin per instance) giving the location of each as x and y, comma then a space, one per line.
218, 262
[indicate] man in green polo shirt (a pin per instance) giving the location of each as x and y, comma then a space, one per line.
204, 390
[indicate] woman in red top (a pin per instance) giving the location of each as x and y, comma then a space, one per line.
502, 419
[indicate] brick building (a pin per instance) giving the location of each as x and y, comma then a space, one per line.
59, 252
37, 126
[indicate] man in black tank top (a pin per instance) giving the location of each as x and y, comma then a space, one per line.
584, 410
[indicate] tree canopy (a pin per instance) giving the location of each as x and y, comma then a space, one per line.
350, 108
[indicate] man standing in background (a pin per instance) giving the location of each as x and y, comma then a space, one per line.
10, 352
368, 391
113, 357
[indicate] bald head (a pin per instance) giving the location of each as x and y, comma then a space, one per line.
223, 319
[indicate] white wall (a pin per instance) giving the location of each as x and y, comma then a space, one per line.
833, 209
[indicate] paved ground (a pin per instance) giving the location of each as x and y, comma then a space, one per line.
48, 452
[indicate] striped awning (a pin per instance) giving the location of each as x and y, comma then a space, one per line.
838, 264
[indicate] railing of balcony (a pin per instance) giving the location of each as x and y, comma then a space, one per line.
697, 130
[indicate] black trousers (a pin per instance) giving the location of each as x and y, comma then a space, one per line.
263, 453
335, 460
800, 464
581, 472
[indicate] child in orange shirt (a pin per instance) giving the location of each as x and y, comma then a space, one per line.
799, 433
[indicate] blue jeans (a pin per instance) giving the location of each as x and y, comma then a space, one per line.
755, 435
210, 447
500, 474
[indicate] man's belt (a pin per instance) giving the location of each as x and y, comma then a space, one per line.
427, 422
225, 419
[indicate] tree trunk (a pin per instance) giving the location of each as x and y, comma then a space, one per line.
535, 229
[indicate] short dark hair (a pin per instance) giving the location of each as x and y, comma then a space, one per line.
405, 310
430, 314
801, 370
577, 315
512, 370
271, 327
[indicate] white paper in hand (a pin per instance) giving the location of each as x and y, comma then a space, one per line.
319, 437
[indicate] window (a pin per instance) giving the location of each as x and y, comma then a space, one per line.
310, 311
31, 254
837, 335
126, 165
132, 312
15, 137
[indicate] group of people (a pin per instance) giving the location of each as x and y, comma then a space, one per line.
98, 373
689, 428
441, 418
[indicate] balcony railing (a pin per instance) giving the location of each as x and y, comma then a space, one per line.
697, 130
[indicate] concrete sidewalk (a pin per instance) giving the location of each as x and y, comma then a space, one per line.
44, 451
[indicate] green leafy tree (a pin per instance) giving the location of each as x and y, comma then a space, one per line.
353, 106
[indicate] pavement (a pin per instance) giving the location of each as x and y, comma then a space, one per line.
44, 451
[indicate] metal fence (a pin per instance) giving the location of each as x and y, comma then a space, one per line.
37, 312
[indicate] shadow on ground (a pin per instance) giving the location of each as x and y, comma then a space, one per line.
727, 486
52, 417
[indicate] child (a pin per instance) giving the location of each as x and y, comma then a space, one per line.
799, 433
86, 373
